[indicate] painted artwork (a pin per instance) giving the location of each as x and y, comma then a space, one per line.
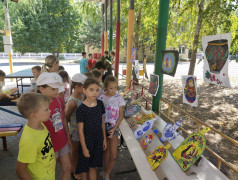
137, 68
170, 62
190, 149
130, 110
154, 84
133, 55
158, 156
147, 125
189, 84
216, 51
140, 119
132, 123
169, 132
148, 139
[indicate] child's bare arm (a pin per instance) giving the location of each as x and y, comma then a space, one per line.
66, 128
3, 96
82, 140
21, 171
121, 115
87, 68
71, 107
104, 134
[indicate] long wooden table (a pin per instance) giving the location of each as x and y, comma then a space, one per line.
19, 76
169, 168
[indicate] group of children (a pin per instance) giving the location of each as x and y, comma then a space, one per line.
80, 132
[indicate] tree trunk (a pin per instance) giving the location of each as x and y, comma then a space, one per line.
137, 35
196, 39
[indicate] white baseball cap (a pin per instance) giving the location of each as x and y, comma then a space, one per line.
52, 79
79, 78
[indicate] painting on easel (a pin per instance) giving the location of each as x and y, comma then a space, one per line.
154, 84
170, 62
189, 86
190, 149
216, 51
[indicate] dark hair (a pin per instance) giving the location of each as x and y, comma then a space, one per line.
2, 73
61, 68
89, 75
109, 79
113, 53
90, 81
99, 65
90, 54
30, 103
73, 85
96, 73
106, 52
84, 53
38, 68
64, 74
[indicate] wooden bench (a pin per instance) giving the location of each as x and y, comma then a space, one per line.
9, 130
169, 169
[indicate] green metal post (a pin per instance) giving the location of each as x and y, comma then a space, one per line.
110, 29
160, 46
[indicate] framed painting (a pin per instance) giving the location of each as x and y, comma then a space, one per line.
170, 62
189, 84
154, 84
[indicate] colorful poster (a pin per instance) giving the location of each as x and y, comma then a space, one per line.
133, 55
137, 68
154, 84
216, 51
170, 62
190, 149
189, 85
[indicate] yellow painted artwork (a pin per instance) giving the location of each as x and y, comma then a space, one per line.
158, 156
190, 149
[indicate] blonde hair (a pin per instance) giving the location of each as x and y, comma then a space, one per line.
30, 103
49, 61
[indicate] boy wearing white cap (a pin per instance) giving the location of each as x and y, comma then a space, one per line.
73, 103
49, 84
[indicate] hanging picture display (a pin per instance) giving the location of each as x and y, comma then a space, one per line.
133, 55
137, 68
158, 156
189, 85
154, 84
190, 149
216, 51
170, 62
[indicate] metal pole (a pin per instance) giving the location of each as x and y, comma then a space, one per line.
106, 34
160, 46
102, 29
110, 29
8, 32
129, 43
118, 37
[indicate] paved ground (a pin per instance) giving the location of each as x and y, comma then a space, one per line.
8, 158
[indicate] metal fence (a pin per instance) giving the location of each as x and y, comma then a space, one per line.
66, 56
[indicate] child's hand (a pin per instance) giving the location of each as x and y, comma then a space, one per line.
86, 153
111, 132
10, 97
104, 144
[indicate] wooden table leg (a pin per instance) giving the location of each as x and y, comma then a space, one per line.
4, 142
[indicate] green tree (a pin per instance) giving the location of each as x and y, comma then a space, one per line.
46, 26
